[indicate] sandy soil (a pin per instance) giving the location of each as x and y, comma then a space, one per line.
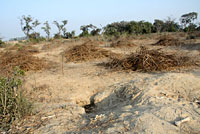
86, 98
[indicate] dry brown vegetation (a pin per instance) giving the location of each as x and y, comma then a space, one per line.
85, 52
167, 40
23, 59
50, 46
150, 60
122, 43
64, 93
28, 49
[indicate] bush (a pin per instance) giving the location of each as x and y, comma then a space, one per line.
35, 38
1, 43
13, 105
57, 36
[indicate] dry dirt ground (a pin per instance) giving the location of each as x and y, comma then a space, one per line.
86, 98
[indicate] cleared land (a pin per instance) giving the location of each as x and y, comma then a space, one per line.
81, 86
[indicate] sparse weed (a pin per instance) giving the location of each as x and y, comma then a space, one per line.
13, 105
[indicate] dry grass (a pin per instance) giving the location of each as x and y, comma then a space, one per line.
86, 52
50, 46
23, 59
122, 43
146, 60
167, 40
29, 49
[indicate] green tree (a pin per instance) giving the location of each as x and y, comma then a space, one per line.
1, 42
47, 29
61, 28
28, 24
158, 25
70, 34
188, 19
170, 25
88, 30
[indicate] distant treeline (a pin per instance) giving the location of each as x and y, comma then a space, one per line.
18, 39
187, 23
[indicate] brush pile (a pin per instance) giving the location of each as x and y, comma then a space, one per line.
28, 49
51, 46
23, 60
168, 41
150, 60
122, 44
86, 52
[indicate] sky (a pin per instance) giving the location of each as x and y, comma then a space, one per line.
83, 12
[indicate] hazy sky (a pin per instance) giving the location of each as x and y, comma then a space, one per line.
82, 12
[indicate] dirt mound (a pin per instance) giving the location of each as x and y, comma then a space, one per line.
24, 60
122, 43
150, 60
86, 52
168, 41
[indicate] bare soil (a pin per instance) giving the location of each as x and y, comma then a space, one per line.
83, 97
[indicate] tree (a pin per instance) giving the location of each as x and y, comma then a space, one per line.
28, 25
158, 25
61, 28
117, 28
198, 27
187, 19
95, 31
170, 25
191, 28
1, 42
89, 30
85, 30
70, 35
47, 29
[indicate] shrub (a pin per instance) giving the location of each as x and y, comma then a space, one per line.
35, 38
13, 105
57, 36
1, 43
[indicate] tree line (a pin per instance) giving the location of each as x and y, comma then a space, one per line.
187, 24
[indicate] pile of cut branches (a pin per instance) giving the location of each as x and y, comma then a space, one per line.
24, 60
146, 60
168, 41
86, 52
122, 44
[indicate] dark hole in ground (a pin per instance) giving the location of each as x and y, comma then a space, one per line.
90, 107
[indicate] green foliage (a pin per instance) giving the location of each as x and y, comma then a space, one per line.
2, 43
28, 25
61, 28
69, 35
13, 105
132, 27
188, 18
35, 38
89, 30
95, 32
57, 36
47, 29
187, 21
191, 28
170, 25
116, 28
158, 25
